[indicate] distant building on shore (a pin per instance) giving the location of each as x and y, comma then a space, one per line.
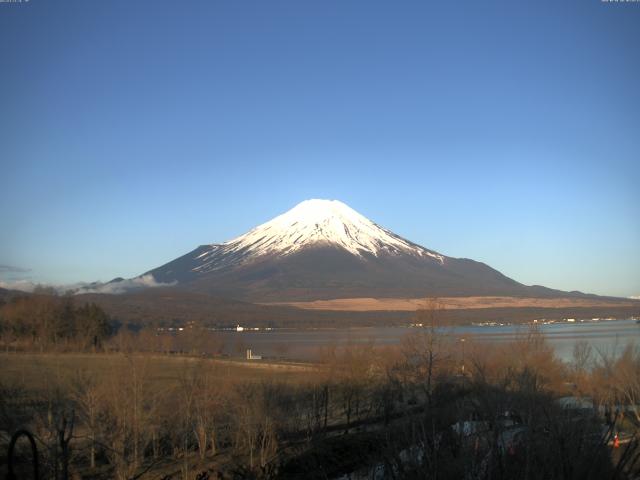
251, 356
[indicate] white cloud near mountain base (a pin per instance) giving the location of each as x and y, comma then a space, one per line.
113, 288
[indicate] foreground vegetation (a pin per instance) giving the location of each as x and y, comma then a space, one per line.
434, 407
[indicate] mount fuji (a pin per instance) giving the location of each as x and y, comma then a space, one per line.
323, 249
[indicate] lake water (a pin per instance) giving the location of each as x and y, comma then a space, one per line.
609, 336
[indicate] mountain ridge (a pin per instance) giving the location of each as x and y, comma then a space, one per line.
323, 249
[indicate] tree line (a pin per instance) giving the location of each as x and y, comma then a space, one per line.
432, 407
408, 412
49, 322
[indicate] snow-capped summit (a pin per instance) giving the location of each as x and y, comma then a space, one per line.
324, 249
328, 222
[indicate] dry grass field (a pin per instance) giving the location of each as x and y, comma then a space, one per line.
455, 303
39, 371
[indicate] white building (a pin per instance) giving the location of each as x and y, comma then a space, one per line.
251, 356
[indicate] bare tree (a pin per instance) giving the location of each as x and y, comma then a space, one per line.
126, 419
87, 395
429, 347
54, 425
255, 424
625, 379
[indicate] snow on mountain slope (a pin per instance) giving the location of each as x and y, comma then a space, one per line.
312, 223
323, 249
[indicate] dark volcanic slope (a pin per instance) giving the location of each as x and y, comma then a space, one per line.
323, 250
167, 306
327, 272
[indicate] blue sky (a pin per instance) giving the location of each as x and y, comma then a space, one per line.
507, 132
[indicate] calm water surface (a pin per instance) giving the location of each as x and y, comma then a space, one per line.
610, 336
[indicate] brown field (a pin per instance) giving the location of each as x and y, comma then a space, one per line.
454, 303
39, 370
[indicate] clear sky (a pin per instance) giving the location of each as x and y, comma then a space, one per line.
507, 132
